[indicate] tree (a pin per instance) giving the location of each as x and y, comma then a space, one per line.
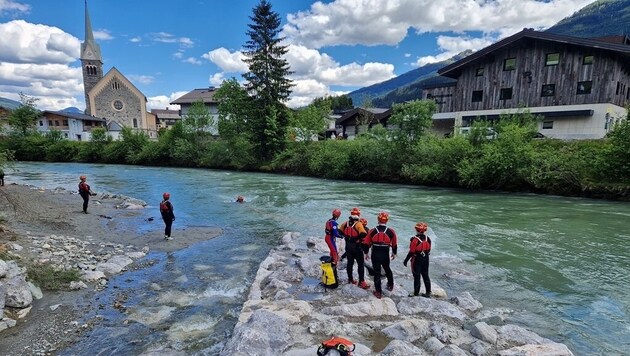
197, 119
342, 102
235, 107
311, 120
413, 119
24, 117
267, 80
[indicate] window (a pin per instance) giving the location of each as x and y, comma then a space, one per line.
479, 72
509, 64
552, 59
135, 123
56, 122
50, 123
118, 105
546, 125
88, 123
477, 96
65, 122
429, 96
548, 90
65, 134
584, 87
506, 94
618, 88
115, 85
41, 123
587, 60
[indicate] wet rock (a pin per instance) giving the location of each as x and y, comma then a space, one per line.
433, 307
550, 349
18, 294
467, 302
433, 345
263, 334
401, 348
36, 292
516, 335
372, 307
451, 350
485, 332
151, 315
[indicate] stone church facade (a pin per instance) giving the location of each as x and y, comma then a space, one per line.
111, 96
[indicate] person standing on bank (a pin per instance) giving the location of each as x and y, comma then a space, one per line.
332, 234
1, 177
85, 192
353, 233
381, 238
419, 250
166, 209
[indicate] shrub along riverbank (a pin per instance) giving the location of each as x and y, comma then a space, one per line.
512, 161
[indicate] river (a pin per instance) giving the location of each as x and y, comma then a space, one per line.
562, 265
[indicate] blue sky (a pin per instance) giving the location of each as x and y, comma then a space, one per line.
167, 48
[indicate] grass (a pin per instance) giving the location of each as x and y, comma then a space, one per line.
47, 277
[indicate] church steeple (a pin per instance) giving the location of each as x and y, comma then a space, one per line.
91, 61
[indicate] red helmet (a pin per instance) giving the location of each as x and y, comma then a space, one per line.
355, 211
82, 177
364, 222
240, 199
421, 227
166, 195
336, 213
382, 217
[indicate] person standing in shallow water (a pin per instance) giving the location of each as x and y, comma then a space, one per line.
419, 249
85, 192
166, 209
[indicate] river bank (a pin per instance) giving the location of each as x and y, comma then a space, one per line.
288, 313
46, 229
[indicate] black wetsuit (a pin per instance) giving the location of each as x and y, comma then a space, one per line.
381, 238
84, 191
419, 250
353, 232
166, 209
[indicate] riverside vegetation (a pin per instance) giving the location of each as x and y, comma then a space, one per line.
512, 161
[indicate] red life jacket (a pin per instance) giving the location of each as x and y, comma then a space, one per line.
84, 188
164, 208
350, 232
343, 346
421, 245
381, 238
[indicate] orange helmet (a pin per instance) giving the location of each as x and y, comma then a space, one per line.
382, 217
336, 213
421, 227
364, 222
166, 195
355, 211
82, 177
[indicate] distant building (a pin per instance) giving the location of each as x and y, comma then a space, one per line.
205, 95
356, 121
74, 126
579, 86
166, 118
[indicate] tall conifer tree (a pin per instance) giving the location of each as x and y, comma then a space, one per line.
267, 80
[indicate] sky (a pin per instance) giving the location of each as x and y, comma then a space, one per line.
168, 48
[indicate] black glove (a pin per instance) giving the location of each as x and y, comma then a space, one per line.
405, 263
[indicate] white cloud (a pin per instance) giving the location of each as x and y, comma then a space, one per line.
375, 22
142, 79
165, 37
450, 46
216, 79
163, 101
179, 54
228, 62
10, 6
135, 39
103, 35
192, 60
23, 42
407, 55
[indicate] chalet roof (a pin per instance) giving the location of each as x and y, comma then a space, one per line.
74, 115
379, 114
166, 114
453, 70
204, 94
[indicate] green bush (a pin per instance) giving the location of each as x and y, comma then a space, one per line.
63, 151
331, 159
47, 277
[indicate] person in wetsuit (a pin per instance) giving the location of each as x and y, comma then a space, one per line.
380, 239
353, 233
85, 192
166, 209
332, 234
419, 249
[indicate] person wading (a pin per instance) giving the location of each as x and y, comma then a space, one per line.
166, 209
380, 239
332, 234
85, 192
353, 233
419, 249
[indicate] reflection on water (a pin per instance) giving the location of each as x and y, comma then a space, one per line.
560, 263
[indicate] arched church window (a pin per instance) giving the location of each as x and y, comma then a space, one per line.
135, 123
115, 85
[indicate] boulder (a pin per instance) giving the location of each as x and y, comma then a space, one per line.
264, 333
36, 292
478, 348
77, 285
485, 332
408, 330
135, 255
91, 276
108, 268
401, 348
3, 294
467, 302
451, 350
121, 260
372, 307
515, 335
4, 268
432, 307
18, 294
550, 349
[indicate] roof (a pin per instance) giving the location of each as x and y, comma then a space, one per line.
379, 114
74, 115
166, 114
205, 94
114, 126
453, 70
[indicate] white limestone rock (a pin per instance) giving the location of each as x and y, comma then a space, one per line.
479, 348
18, 294
109, 268
36, 292
549, 349
121, 260
451, 350
401, 348
264, 333
485, 332
467, 302
77, 285
515, 335
432, 307
90, 276
408, 330
4, 268
135, 255
372, 307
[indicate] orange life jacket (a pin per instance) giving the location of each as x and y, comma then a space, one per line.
421, 246
343, 346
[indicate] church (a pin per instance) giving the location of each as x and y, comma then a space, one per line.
111, 96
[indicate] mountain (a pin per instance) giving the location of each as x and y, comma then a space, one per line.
73, 109
599, 19
360, 96
9, 104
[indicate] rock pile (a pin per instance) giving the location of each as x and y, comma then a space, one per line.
288, 313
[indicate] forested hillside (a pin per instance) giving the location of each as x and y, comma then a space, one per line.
601, 18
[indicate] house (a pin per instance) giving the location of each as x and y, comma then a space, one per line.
205, 95
74, 126
358, 120
579, 86
165, 118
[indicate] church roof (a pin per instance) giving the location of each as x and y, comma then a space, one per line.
205, 94
74, 115
90, 49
